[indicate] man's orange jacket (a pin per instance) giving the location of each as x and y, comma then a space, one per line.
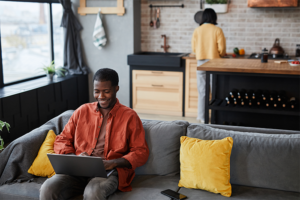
125, 137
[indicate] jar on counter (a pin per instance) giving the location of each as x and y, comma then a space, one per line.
297, 50
264, 55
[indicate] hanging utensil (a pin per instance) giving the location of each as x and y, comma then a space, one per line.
198, 15
151, 22
157, 20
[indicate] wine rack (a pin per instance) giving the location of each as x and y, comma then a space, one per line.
262, 116
261, 100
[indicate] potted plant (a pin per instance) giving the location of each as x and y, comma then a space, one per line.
219, 6
51, 71
2, 125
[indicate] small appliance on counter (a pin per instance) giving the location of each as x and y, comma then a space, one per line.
276, 52
264, 55
277, 49
298, 50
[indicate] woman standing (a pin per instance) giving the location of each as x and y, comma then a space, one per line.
208, 42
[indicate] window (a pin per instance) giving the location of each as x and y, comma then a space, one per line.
58, 37
27, 42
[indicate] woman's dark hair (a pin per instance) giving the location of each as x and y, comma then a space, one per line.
106, 74
209, 16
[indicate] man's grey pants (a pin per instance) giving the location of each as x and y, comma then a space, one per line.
61, 186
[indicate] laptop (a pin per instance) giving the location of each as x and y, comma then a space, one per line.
85, 166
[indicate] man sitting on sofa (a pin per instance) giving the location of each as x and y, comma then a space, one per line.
105, 129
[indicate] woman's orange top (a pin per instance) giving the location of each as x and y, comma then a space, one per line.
125, 137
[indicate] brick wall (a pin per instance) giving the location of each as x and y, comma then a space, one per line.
248, 28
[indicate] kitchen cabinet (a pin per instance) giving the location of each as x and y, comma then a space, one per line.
191, 92
157, 92
30, 104
272, 3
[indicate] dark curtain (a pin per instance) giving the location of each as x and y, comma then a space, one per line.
73, 60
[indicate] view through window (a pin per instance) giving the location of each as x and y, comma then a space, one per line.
25, 38
58, 37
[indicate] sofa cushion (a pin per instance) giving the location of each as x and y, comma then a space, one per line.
21, 191
25, 191
205, 164
163, 139
241, 192
259, 160
148, 187
41, 165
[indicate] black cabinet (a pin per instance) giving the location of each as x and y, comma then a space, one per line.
254, 116
28, 105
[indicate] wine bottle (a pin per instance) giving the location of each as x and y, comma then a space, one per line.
248, 94
283, 102
256, 94
267, 103
253, 95
235, 101
250, 102
265, 95
281, 95
273, 95
276, 104
233, 93
228, 100
241, 94
292, 102
258, 101
242, 102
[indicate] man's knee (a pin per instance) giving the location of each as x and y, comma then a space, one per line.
100, 189
53, 187
48, 189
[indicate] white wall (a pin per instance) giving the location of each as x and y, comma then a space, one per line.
248, 28
123, 34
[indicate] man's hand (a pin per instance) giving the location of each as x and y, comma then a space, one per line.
109, 164
83, 154
120, 162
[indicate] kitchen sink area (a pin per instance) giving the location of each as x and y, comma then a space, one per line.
157, 82
156, 59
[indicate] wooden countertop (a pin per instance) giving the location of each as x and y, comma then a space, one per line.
229, 56
248, 66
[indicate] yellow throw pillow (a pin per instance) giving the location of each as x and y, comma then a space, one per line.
205, 164
41, 165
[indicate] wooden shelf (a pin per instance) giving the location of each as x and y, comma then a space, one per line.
119, 10
219, 104
274, 3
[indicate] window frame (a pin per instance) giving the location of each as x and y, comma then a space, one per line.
51, 42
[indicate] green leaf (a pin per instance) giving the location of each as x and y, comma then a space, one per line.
7, 126
1, 143
2, 124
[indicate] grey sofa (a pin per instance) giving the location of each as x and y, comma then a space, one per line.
265, 164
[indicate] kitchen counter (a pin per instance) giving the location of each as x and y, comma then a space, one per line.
249, 66
229, 56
